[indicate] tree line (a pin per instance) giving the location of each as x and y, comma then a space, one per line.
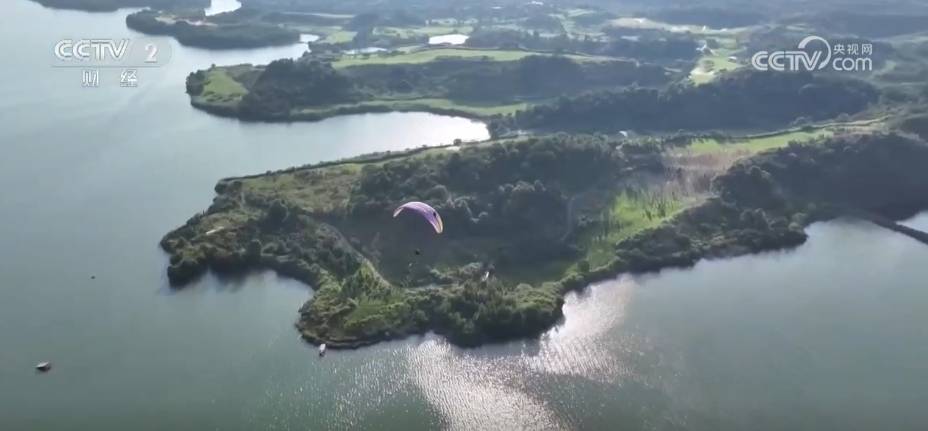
740, 100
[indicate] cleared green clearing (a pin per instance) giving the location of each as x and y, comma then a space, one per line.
371, 308
575, 30
768, 141
338, 36
709, 66
629, 215
221, 88
427, 55
760, 143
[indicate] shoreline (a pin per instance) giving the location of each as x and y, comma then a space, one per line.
228, 111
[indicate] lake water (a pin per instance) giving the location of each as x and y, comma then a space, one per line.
448, 39
307, 37
829, 336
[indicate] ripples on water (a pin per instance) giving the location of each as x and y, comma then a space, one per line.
510, 386
550, 383
772, 341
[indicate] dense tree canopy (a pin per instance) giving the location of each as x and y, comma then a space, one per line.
740, 100
291, 84
245, 34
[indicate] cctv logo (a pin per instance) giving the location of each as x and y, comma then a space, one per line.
91, 49
805, 59
794, 60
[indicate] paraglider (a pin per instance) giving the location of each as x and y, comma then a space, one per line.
425, 211
429, 214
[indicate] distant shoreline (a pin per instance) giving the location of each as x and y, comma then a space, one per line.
361, 108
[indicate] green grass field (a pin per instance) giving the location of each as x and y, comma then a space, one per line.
629, 215
709, 66
768, 141
430, 30
567, 19
338, 36
754, 144
221, 88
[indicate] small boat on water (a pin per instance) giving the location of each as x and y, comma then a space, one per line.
322, 349
43, 367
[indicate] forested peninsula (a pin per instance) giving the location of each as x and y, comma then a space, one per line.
463, 82
527, 220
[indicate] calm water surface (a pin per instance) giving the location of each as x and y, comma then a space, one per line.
828, 336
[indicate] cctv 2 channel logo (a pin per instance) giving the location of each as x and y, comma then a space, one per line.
111, 52
843, 58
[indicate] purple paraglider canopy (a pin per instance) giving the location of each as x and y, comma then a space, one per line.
425, 211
